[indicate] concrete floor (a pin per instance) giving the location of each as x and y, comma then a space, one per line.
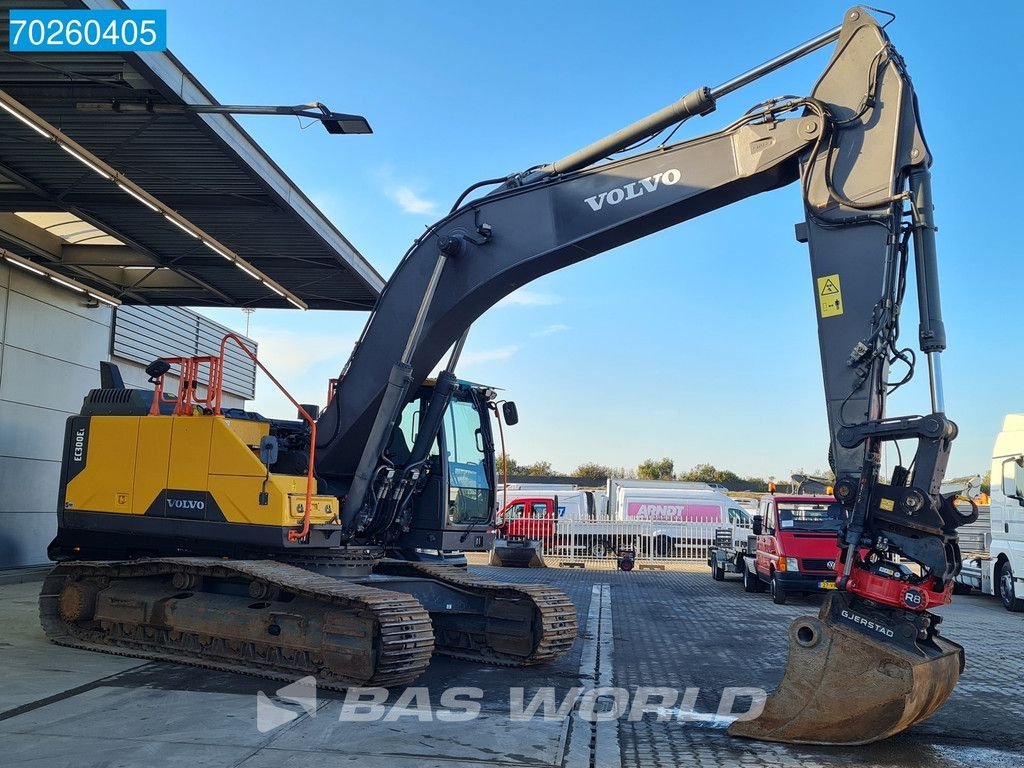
64, 707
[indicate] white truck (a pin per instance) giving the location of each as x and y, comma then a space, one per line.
618, 490
656, 519
531, 516
647, 517
997, 567
571, 502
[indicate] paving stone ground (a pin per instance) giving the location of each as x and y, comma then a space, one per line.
681, 629
62, 707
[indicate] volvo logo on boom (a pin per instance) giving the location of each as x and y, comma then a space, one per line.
634, 189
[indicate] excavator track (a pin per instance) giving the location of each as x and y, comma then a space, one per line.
254, 617
522, 625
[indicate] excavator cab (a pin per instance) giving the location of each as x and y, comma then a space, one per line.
455, 506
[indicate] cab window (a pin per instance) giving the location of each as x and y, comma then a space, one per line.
739, 517
540, 510
811, 516
516, 512
469, 483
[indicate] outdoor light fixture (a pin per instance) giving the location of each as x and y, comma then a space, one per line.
182, 227
25, 120
139, 197
217, 250
85, 162
248, 271
334, 122
66, 284
44, 272
273, 288
26, 267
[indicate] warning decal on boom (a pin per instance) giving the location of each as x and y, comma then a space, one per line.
830, 296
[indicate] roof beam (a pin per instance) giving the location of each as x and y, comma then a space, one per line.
103, 256
51, 133
26, 235
155, 279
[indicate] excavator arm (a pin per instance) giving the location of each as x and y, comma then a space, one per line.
856, 148
855, 145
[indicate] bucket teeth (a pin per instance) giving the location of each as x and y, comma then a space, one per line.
856, 675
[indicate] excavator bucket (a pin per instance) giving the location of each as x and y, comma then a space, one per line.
524, 553
844, 686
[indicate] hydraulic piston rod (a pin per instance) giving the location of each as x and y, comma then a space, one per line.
699, 102
932, 332
772, 64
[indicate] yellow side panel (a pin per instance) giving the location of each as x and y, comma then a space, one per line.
249, 432
105, 485
153, 456
239, 500
230, 453
189, 466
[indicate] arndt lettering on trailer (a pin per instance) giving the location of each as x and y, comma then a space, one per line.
830, 296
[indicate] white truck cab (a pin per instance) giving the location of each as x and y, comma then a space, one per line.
998, 569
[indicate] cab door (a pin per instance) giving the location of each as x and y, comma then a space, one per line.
1008, 517
767, 545
542, 519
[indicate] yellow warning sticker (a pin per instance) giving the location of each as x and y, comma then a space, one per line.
887, 504
830, 296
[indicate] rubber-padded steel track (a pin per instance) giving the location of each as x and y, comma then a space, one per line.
388, 635
531, 623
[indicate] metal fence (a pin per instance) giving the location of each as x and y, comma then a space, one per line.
596, 544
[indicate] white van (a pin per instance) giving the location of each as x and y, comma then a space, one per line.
662, 522
569, 504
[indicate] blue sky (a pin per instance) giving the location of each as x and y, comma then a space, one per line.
697, 343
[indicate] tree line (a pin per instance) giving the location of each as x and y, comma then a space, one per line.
649, 469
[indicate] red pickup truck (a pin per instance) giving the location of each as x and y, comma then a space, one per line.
524, 526
527, 518
793, 548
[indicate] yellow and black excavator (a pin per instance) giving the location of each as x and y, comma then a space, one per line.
198, 534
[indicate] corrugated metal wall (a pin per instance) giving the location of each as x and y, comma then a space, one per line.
50, 348
142, 334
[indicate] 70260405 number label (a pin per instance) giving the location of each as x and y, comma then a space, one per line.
56, 31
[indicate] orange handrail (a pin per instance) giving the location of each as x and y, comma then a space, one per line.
188, 388
217, 388
188, 397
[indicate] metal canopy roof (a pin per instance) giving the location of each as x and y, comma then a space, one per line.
204, 167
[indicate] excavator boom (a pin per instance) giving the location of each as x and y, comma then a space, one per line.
260, 545
856, 148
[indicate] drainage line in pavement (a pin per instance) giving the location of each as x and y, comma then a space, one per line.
594, 742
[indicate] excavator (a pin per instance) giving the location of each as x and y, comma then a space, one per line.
198, 534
